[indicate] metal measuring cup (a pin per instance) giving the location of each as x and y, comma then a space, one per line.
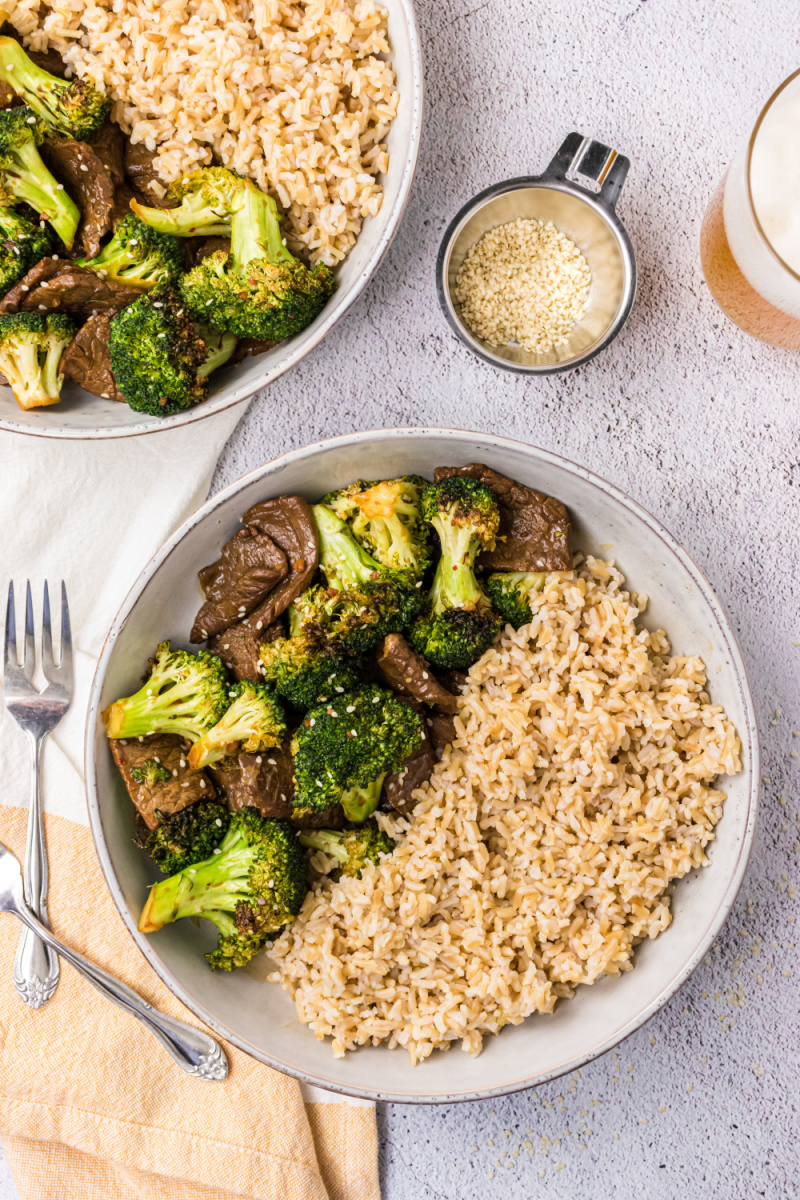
578, 192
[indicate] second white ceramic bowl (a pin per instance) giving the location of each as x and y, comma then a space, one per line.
258, 1016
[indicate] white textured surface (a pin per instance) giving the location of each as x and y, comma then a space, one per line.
696, 421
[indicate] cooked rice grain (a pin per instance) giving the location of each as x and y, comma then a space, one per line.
578, 786
293, 93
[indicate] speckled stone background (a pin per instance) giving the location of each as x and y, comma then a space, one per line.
698, 423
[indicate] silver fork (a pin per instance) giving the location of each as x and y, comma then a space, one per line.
37, 713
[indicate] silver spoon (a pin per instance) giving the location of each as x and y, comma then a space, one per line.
194, 1051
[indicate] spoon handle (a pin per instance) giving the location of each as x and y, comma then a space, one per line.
194, 1051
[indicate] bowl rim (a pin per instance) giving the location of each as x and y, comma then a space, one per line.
519, 183
748, 734
245, 392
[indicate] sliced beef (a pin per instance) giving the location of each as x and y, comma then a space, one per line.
454, 681
249, 347
183, 787
441, 730
58, 285
288, 521
417, 768
534, 530
406, 671
109, 146
332, 818
86, 360
81, 170
238, 647
248, 568
122, 203
143, 176
265, 781
201, 247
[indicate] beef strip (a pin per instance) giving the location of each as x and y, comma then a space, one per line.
184, 787
268, 785
144, 178
122, 203
201, 247
288, 521
249, 347
238, 647
81, 170
109, 146
454, 681
417, 768
58, 285
441, 730
406, 671
249, 567
86, 360
534, 532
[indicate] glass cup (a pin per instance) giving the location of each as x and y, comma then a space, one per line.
750, 239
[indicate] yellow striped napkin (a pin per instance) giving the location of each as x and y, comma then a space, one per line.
90, 1106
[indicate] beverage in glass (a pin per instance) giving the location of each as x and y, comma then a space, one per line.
750, 239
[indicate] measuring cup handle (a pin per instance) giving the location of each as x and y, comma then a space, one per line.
589, 165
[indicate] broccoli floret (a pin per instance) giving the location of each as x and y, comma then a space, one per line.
159, 357
344, 749
205, 202
150, 772
24, 177
259, 290
139, 256
185, 693
22, 244
510, 594
366, 601
68, 107
385, 518
354, 849
254, 722
306, 670
31, 346
250, 889
188, 836
458, 624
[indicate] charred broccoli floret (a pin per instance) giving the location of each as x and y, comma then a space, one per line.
160, 358
187, 836
458, 624
354, 849
344, 749
205, 201
31, 346
22, 244
150, 772
510, 592
71, 108
366, 601
254, 722
184, 693
385, 518
306, 668
24, 177
252, 887
259, 290
139, 256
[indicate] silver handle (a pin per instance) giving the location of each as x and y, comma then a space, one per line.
35, 964
590, 165
194, 1051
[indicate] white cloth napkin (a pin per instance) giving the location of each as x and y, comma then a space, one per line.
91, 513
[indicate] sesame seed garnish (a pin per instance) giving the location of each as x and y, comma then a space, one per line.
218, 823
272, 762
202, 783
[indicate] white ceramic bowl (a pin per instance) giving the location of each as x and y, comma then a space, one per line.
258, 1016
80, 415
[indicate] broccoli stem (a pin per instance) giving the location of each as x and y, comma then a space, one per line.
360, 802
134, 717
207, 889
36, 186
455, 584
256, 230
20, 365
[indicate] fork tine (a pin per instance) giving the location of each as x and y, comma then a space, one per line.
29, 660
48, 665
10, 661
65, 665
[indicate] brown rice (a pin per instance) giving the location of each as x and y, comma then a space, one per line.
578, 786
294, 93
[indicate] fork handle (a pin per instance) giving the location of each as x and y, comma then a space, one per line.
36, 963
194, 1051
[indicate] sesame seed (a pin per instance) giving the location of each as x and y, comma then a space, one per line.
175, 773
272, 762
350, 708
202, 783
183, 762
258, 758
84, 167
25, 287
218, 823
424, 674
260, 900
